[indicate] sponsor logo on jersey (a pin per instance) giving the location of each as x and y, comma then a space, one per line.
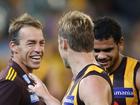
120, 92
69, 100
34, 98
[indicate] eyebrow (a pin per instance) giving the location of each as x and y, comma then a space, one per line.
31, 41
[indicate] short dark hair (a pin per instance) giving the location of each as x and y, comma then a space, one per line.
77, 28
107, 27
18, 23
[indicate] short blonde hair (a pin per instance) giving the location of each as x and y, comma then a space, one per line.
77, 28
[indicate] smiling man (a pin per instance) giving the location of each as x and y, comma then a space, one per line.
124, 71
27, 47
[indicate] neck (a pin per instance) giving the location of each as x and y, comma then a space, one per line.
24, 67
116, 64
78, 61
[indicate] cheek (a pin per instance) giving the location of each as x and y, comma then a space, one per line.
115, 54
21, 51
25, 52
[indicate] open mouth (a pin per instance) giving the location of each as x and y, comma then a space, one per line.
36, 58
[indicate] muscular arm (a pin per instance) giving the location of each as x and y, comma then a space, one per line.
94, 90
138, 82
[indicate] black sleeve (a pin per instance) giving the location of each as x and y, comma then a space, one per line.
10, 93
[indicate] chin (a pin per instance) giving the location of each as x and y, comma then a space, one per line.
35, 66
67, 66
106, 67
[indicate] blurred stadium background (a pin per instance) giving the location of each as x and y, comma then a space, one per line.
52, 71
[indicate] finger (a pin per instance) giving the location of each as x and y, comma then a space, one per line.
35, 78
30, 88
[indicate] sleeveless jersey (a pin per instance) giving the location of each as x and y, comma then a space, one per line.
72, 95
124, 82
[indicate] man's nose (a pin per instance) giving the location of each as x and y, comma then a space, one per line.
38, 48
101, 55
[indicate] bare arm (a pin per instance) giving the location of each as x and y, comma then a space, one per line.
138, 82
94, 90
41, 90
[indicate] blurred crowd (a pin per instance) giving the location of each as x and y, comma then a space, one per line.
52, 71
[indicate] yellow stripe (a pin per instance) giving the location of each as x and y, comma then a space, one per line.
75, 93
68, 91
15, 74
9, 72
111, 78
11, 75
129, 79
93, 68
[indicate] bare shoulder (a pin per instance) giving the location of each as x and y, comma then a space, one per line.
95, 89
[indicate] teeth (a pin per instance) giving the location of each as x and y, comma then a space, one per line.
36, 57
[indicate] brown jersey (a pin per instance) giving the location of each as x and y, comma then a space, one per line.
14, 87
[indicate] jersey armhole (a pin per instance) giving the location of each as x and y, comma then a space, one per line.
103, 75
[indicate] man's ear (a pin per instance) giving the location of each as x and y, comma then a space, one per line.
65, 44
121, 44
13, 46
